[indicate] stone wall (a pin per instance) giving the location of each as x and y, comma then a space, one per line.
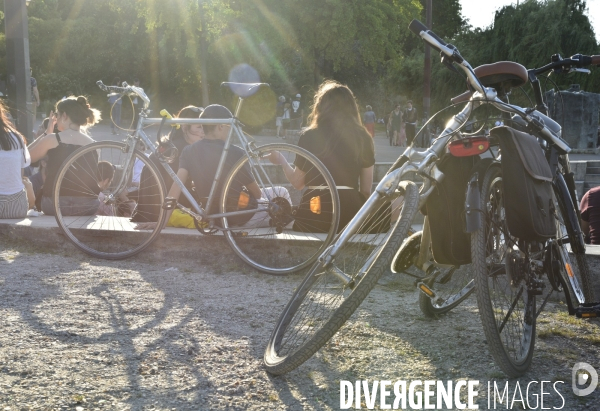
577, 112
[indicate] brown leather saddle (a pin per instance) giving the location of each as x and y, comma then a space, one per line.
502, 76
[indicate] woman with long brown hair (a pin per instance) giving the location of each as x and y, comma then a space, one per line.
336, 135
15, 190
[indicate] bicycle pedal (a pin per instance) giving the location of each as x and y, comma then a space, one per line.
170, 203
425, 289
588, 310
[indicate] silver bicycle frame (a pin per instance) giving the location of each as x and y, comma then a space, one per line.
235, 129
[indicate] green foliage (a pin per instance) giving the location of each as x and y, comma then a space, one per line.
293, 44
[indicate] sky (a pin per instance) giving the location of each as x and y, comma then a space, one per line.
480, 13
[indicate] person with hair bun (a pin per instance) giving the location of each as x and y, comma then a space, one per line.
72, 117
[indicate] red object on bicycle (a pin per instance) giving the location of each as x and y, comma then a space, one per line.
466, 147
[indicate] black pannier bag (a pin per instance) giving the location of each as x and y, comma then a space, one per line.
445, 210
527, 184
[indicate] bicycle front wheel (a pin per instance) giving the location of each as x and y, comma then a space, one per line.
293, 224
574, 270
94, 207
323, 303
506, 308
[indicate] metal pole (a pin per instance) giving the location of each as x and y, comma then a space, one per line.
203, 70
17, 57
425, 138
427, 74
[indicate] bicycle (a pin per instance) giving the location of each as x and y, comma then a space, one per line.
510, 266
281, 219
333, 289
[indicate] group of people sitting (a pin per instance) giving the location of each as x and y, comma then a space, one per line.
335, 134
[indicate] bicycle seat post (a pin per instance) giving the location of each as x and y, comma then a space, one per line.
238, 109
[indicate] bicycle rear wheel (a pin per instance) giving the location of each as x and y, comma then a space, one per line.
297, 224
323, 303
506, 308
101, 225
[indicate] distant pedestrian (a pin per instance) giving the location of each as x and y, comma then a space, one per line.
410, 122
296, 113
35, 97
395, 125
115, 101
136, 104
369, 121
279, 114
285, 120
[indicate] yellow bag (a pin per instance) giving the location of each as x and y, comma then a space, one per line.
181, 220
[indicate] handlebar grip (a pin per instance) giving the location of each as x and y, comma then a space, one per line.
466, 96
417, 27
596, 60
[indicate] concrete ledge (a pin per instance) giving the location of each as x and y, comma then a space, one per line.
171, 244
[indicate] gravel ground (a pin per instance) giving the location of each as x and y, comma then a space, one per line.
80, 333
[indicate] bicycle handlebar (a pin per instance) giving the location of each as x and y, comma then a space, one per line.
576, 61
125, 90
481, 95
435, 41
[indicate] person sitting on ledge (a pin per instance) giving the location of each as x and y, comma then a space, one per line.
72, 117
16, 193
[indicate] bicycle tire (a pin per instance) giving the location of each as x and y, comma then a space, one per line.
281, 241
370, 254
509, 330
111, 236
581, 272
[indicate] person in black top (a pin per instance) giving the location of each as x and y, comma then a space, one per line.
336, 135
72, 117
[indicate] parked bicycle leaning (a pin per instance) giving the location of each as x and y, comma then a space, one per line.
518, 236
225, 177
